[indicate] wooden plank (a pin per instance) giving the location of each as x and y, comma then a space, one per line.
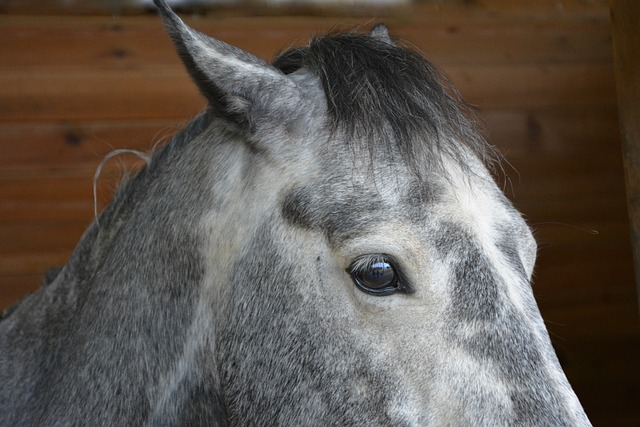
88, 94
580, 320
544, 8
40, 237
130, 42
604, 374
505, 8
33, 248
13, 289
625, 15
535, 86
148, 93
67, 146
570, 175
555, 298
601, 268
581, 212
455, 42
587, 234
520, 133
60, 199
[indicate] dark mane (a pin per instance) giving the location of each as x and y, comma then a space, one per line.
390, 96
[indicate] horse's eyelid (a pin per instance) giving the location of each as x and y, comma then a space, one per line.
403, 283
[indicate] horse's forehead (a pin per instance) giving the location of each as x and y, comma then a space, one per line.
344, 181
350, 206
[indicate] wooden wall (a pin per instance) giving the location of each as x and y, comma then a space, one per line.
73, 88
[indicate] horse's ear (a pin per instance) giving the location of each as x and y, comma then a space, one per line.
234, 82
381, 32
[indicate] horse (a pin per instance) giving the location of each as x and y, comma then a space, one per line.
325, 244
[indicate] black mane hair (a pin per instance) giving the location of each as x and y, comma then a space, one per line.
390, 96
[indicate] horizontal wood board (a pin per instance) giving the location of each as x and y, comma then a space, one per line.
74, 88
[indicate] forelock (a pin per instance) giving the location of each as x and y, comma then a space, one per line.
391, 98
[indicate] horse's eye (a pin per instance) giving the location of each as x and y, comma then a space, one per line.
375, 275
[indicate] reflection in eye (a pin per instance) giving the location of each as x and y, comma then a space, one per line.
378, 275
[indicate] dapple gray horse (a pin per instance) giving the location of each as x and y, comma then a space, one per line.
324, 245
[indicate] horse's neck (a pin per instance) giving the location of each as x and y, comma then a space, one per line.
113, 333
116, 323
62, 351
